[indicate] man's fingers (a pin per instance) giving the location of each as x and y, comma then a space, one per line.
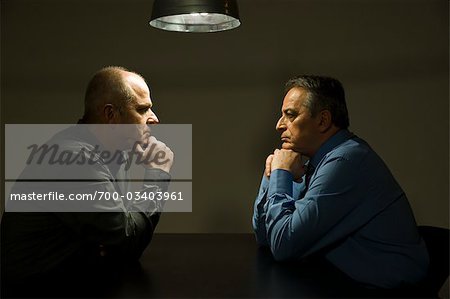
139, 149
150, 141
268, 165
153, 146
158, 155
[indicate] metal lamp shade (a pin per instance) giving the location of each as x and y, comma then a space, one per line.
195, 15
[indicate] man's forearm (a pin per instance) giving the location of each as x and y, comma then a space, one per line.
259, 213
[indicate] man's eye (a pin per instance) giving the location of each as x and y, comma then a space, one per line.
290, 115
143, 110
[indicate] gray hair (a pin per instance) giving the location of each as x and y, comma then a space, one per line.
324, 93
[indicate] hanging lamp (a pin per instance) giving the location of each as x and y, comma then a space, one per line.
195, 15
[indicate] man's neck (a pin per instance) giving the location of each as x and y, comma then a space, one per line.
324, 137
100, 132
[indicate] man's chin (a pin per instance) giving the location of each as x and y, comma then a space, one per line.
287, 146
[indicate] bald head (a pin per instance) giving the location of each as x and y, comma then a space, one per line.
111, 85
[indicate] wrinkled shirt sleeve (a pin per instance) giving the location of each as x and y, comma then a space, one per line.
298, 226
259, 213
261, 204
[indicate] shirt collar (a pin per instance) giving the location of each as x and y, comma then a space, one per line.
331, 143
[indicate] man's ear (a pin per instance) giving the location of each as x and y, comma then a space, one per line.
325, 121
109, 113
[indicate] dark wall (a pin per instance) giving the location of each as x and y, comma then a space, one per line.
392, 57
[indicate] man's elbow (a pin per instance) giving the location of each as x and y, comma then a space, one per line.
281, 256
260, 233
281, 253
261, 242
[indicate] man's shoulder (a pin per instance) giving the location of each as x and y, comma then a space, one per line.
75, 138
353, 150
69, 154
352, 146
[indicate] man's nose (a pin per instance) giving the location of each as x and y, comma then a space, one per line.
280, 124
152, 119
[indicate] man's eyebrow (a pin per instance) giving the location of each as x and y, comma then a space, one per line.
290, 110
146, 105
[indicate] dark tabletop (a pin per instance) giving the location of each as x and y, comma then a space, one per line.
208, 266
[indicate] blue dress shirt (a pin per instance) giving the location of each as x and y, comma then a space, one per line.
354, 212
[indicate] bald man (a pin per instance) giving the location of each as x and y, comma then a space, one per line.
49, 243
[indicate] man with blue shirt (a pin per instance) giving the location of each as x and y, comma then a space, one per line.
343, 204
